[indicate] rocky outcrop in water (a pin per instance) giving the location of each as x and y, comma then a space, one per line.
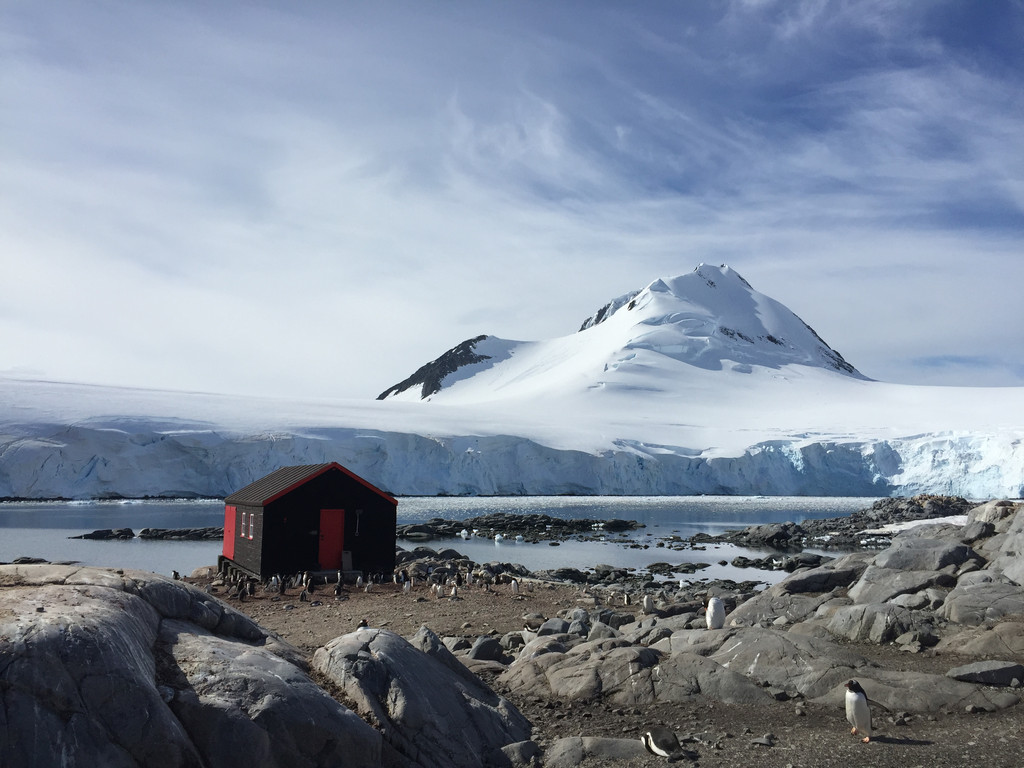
532, 527
854, 531
212, 533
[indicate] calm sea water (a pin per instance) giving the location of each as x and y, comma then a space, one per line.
42, 529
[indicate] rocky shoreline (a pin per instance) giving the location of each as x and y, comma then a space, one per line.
518, 669
859, 530
211, 533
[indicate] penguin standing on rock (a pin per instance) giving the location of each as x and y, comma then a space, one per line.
858, 712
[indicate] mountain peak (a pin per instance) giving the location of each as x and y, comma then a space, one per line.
710, 319
712, 316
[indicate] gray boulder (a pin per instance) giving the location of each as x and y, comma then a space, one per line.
244, 706
989, 673
554, 626
920, 553
775, 604
601, 631
806, 665
920, 692
976, 530
432, 711
979, 602
998, 512
1004, 639
879, 584
128, 668
801, 595
621, 673
839, 573
521, 754
487, 648
872, 623
699, 641
1009, 558
573, 750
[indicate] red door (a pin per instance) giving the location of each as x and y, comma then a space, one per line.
229, 532
332, 538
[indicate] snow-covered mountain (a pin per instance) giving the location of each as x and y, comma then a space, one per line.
710, 319
696, 384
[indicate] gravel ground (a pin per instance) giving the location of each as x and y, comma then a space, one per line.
724, 736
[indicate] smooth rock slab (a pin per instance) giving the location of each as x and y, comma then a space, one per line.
872, 623
571, 751
1004, 639
618, 672
789, 661
917, 553
920, 692
989, 673
879, 585
976, 603
841, 572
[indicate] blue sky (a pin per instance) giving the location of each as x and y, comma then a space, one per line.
315, 198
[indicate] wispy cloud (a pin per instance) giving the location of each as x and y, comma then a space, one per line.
212, 196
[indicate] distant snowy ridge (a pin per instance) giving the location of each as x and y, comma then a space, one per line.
694, 385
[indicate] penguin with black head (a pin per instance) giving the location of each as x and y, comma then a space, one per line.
858, 710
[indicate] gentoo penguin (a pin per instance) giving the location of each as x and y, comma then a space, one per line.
514, 586
661, 741
715, 613
857, 710
363, 624
647, 604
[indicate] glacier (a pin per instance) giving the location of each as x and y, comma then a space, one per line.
697, 384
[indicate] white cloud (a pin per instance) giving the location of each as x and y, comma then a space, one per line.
318, 199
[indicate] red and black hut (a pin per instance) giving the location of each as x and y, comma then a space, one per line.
313, 517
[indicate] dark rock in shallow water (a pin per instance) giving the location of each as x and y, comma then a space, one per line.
532, 527
565, 574
844, 533
107, 534
182, 534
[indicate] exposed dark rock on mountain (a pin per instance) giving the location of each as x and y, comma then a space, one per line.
430, 376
